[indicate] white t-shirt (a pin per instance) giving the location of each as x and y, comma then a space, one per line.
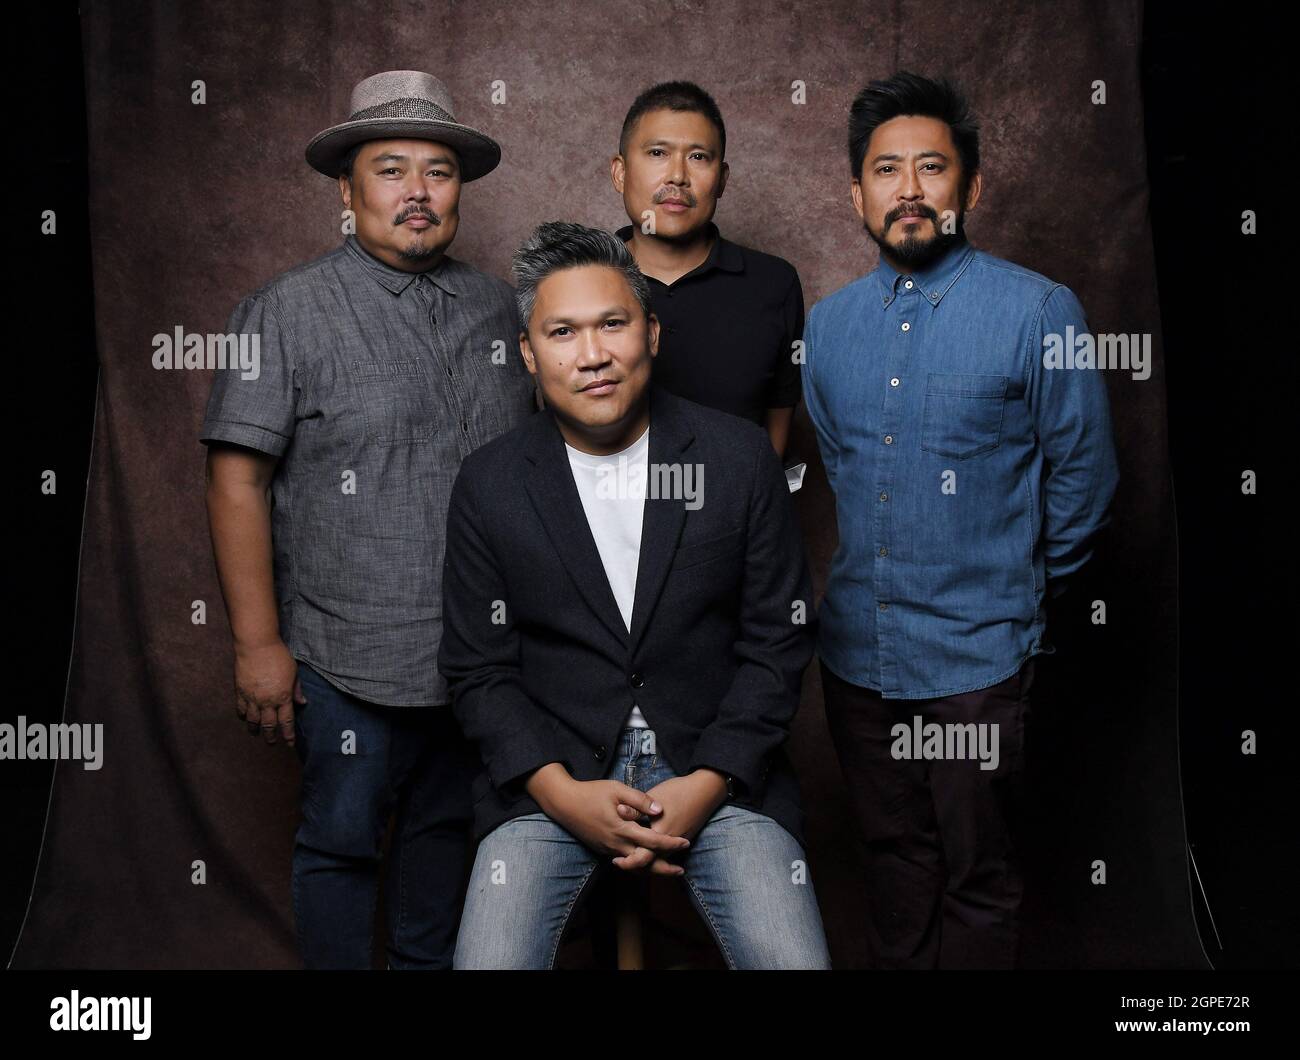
612, 489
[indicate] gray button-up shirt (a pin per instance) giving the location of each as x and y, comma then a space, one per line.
373, 385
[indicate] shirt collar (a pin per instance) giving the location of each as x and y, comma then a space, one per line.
724, 254
933, 281
397, 280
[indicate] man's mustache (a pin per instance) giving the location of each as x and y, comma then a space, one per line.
917, 210
419, 211
684, 197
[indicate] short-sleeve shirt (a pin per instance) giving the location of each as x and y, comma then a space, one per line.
373, 385
728, 330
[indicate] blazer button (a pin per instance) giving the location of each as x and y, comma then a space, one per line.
600, 753
637, 680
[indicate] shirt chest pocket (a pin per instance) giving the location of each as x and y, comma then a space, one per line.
397, 402
963, 414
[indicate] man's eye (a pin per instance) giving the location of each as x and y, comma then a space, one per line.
884, 169
613, 323
557, 331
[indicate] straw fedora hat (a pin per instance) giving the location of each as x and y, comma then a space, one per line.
403, 105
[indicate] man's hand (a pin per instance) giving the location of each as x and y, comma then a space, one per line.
688, 802
590, 809
266, 688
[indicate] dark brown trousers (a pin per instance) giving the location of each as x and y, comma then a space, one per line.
943, 884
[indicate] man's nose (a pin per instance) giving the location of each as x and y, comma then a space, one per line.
592, 352
417, 189
677, 169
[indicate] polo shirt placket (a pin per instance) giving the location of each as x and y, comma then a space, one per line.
727, 330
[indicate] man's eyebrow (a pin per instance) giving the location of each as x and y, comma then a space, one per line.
898, 158
393, 157
603, 314
660, 141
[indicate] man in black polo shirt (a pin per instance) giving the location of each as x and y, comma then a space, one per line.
729, 316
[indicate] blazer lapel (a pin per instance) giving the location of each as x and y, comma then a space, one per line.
553, 493
664, 517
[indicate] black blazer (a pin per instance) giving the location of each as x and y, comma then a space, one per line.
540, 664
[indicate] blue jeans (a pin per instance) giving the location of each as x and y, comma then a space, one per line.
746, 875
414, 760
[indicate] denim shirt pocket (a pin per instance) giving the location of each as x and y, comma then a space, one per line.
397, 401
963, 414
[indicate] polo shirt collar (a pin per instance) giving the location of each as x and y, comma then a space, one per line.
933, 281
724, 254
397, 280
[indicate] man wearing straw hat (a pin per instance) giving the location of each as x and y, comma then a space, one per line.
382, 366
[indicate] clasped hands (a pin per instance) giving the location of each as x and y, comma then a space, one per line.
606, 814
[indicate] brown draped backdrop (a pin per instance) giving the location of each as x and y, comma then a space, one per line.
193, 205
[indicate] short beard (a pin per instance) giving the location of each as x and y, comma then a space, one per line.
913, 253
418, 252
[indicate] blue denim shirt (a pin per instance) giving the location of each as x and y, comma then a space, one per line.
967, 476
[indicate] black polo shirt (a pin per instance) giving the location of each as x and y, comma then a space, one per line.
728, 329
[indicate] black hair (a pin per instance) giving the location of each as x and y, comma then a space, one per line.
345, 167
673, 95
911, 94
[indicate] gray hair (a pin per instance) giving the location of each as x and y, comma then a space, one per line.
558, 245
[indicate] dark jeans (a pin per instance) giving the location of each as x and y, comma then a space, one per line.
944, 885
361, 762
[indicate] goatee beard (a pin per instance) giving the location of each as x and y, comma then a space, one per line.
913, 253
418, 253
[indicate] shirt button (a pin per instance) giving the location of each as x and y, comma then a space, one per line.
908, 285
884, 551
894, 381
600, 753
889, 439
448, 371
464, 426
907, 326
884, 607
884, 496
637, 680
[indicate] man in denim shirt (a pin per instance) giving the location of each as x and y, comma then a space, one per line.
969, 480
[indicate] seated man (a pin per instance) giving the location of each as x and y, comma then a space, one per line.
626, 656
